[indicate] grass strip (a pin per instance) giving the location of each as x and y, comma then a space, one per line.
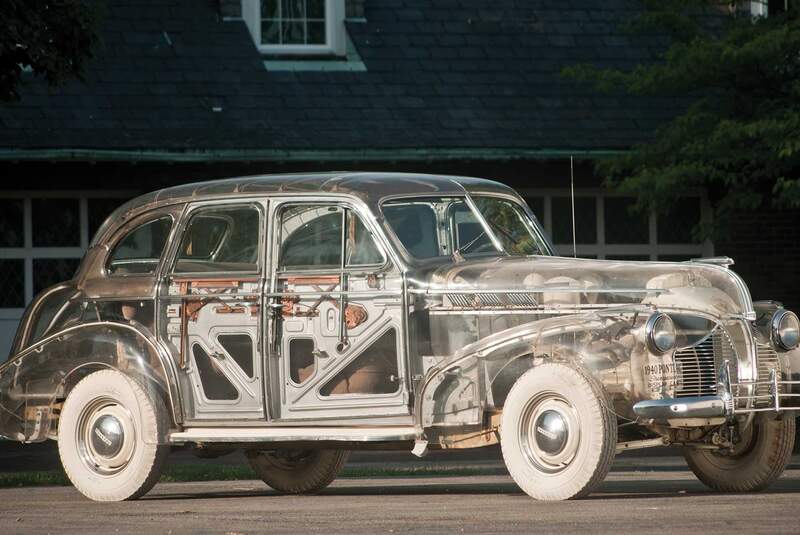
178, 473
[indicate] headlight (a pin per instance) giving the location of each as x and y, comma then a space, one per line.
785, 329
659, 333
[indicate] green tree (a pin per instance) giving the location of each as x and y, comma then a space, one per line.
738, 135
51, 38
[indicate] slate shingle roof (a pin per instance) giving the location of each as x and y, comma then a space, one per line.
440, 73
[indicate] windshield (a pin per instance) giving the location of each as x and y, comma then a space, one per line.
442, 226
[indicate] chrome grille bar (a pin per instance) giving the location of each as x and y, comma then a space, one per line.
697, 367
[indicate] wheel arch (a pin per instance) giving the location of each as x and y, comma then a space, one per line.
475, 382
35, 382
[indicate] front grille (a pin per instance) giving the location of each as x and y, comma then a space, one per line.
698, 365
491, 300
767, 359
697, 368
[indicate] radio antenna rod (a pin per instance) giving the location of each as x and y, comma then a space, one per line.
572, 197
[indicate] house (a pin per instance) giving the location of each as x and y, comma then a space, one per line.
187, 90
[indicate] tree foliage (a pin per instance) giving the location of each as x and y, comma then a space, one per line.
738, 134
50, 38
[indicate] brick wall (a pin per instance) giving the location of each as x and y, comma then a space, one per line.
766, 249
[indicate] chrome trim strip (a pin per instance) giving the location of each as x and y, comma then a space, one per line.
545, 289
294, 434
335, 293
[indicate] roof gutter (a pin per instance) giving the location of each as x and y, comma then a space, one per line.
298, 155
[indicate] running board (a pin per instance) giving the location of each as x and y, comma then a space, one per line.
294, 434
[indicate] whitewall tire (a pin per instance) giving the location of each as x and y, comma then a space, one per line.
108, 437
557, 435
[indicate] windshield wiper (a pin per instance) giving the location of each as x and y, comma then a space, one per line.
461, 250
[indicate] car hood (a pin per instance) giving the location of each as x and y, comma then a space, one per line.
559, 282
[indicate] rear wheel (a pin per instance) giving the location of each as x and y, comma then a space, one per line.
756, 461
557, 436
108, 437
297, 471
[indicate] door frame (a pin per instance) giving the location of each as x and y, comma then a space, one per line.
272, 339
164, 300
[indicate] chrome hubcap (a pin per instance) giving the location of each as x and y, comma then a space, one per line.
106, 436
549, 433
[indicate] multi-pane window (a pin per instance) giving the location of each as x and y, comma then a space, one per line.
310, 27
42, 240
763, 8
623, 225
585, 220
607, 226
293, 22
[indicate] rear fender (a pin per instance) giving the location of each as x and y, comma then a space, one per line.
35, 382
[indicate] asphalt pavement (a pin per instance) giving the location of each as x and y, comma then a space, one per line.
641, 495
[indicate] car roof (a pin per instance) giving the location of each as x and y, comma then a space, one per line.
371, 187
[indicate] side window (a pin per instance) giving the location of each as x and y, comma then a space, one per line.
467, 232
311, 238
139, 252
415, 225
220, 239
361, 248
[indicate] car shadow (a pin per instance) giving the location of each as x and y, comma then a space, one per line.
609, 490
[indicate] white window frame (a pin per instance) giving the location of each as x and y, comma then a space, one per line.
652, 249
334, 31
28, 252
758, 8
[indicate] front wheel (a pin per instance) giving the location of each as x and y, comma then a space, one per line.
557, 435
757, 460
108, 437
297, 471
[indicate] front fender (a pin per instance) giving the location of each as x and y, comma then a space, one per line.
476, 379
35, 381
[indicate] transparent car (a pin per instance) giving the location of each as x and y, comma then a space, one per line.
299, 317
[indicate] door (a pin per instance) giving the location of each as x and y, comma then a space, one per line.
211, 310
336, 329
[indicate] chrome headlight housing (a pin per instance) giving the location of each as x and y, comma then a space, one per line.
659, 333
785, 330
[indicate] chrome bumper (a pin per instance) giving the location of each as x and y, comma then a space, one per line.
726, 404
690, 407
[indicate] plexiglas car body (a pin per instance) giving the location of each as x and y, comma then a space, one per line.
342, 310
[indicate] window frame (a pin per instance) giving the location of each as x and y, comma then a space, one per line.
126, 231
186, 219
282, 205
653, 250
537, 229
334, 32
